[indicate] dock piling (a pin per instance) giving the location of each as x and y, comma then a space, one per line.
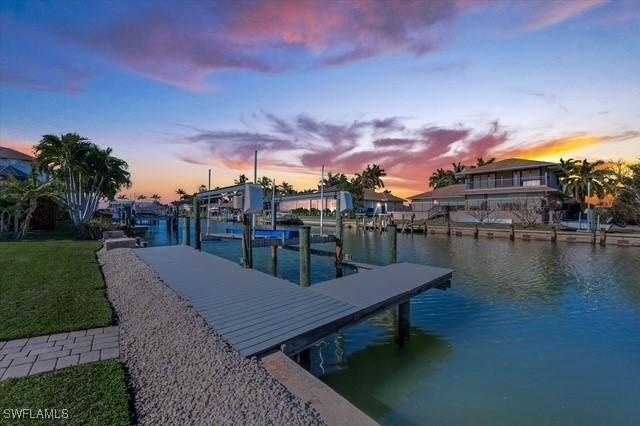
186, 235
247, 246
393, 243
197, 224
603, 237
305, 256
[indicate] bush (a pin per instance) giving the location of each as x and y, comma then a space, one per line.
45, 215
95, 227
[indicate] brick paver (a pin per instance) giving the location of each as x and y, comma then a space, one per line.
41, 354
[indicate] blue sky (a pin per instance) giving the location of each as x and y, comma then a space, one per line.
178, 87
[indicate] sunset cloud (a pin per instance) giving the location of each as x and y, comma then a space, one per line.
409, 154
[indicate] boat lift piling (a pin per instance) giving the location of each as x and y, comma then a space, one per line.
305, 256
274, 221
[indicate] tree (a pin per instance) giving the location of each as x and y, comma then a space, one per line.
156, 197
23, 197
242, 179
86, 173
141, 197
334, 179
122, 197
286, 189
482, 162
203, 188
372, 177
626, 205
577, 175
441, 178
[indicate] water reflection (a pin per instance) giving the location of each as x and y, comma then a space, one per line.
381, 376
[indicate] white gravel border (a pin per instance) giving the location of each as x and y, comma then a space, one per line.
180, 370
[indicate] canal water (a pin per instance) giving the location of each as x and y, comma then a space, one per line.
529, 333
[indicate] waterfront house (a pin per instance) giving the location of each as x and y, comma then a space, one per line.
382, 202
496, 192
17, 164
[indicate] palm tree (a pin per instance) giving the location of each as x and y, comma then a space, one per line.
141, 197
265, 182
286, 188
441, 178
482, 162
122, 197
23, 197
242, 179
86, 172
457, 167
372, 177
577, 177
156, 197
334, 179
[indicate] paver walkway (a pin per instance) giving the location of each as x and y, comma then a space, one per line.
25, 357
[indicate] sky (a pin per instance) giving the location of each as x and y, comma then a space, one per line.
178, 87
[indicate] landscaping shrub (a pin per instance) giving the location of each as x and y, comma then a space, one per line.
95, 227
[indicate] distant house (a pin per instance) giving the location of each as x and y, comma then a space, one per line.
15, 163
383, 202
501, 188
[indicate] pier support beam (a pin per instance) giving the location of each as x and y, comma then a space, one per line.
305, 256
404, 322
393, 243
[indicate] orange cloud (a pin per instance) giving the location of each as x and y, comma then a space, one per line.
563, 147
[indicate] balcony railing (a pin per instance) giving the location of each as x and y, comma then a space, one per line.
507, 183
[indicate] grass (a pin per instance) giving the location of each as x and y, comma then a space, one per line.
93, 394
50, 286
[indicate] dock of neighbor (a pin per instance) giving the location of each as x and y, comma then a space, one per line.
258, 313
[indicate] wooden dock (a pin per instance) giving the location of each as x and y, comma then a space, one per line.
258, 313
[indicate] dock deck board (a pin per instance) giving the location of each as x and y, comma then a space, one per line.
257, 313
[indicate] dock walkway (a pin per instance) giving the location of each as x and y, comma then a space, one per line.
258, 313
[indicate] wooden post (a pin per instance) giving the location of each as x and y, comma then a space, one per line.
247, 243
186, 233
603, 237
476, 232
197, 224
449, 228
512, 233
305, 256
274, 221
554, 234
339, 239
339, 232
393, 243
412, 217
593, 237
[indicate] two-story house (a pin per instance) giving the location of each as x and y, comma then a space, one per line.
498, 190
16, 164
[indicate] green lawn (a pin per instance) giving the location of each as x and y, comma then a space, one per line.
50, 286
93, 394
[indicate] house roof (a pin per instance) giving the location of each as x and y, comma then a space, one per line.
380, 196
12, 154
450, 191
12, 171
508, 164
